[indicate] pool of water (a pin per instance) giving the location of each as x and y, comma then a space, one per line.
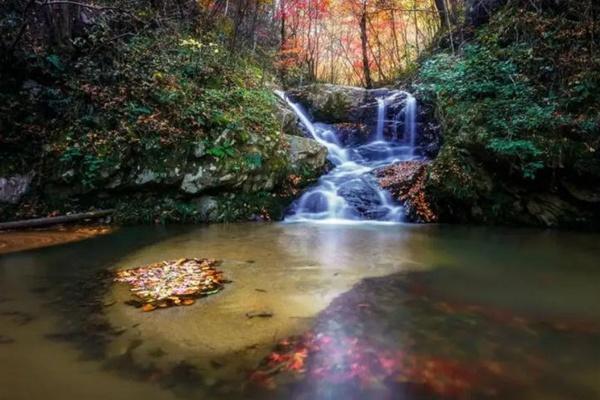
358, 311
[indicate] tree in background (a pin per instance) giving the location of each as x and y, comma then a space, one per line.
353, 41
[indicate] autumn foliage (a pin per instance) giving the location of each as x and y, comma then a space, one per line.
406, 181
352, 41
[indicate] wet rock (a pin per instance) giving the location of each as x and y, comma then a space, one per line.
352, 134
361, 195
208, 208
550, 210
585, 194
306, 153
335, 103
406, 182
289, 121
13, 188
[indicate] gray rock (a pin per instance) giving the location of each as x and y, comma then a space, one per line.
334, 103
585, 194
148, 176
208, 208
68, 175
199, 150
13, 188
196, 182
550, 210
33, 88
306, 153
287, 118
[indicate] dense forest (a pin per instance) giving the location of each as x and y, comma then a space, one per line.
165, 110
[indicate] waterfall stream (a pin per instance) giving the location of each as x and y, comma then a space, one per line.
349, 192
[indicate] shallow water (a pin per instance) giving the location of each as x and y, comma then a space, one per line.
446, 312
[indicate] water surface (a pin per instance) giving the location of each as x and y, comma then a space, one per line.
368, 311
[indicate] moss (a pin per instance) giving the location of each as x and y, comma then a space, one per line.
516, 114
335, 108
141, 106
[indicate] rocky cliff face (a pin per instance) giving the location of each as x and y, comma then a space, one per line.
200, 185
519, 117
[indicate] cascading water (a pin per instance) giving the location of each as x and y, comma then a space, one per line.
350, 192
410, 123
381, 113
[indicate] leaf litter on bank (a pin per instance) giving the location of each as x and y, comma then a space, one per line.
172, 283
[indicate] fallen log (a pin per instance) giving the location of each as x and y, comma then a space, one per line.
39, 222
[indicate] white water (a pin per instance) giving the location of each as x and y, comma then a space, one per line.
349, 192
410, 125
381, 109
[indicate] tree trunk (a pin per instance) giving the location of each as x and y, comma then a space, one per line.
283, 40
440, 5
364, 45
38, 222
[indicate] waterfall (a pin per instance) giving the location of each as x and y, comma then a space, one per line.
350, 193
326, 137
381, 113
410, 121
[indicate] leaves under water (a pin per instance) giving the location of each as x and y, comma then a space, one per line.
172, 283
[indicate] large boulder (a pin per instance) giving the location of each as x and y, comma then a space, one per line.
362, 196
334, 103
290, 123
306, 153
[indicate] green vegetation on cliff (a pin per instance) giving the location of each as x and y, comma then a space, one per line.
136, 110
520, 114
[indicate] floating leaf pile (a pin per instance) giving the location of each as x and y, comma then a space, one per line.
172, 283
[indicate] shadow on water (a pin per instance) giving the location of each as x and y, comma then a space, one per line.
403, 311
400, 337
56, 294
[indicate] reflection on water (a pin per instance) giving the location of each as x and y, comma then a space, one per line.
359, 311
36, 238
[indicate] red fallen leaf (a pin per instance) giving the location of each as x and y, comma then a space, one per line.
388, 363
297, 363
262, 379
276, 357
